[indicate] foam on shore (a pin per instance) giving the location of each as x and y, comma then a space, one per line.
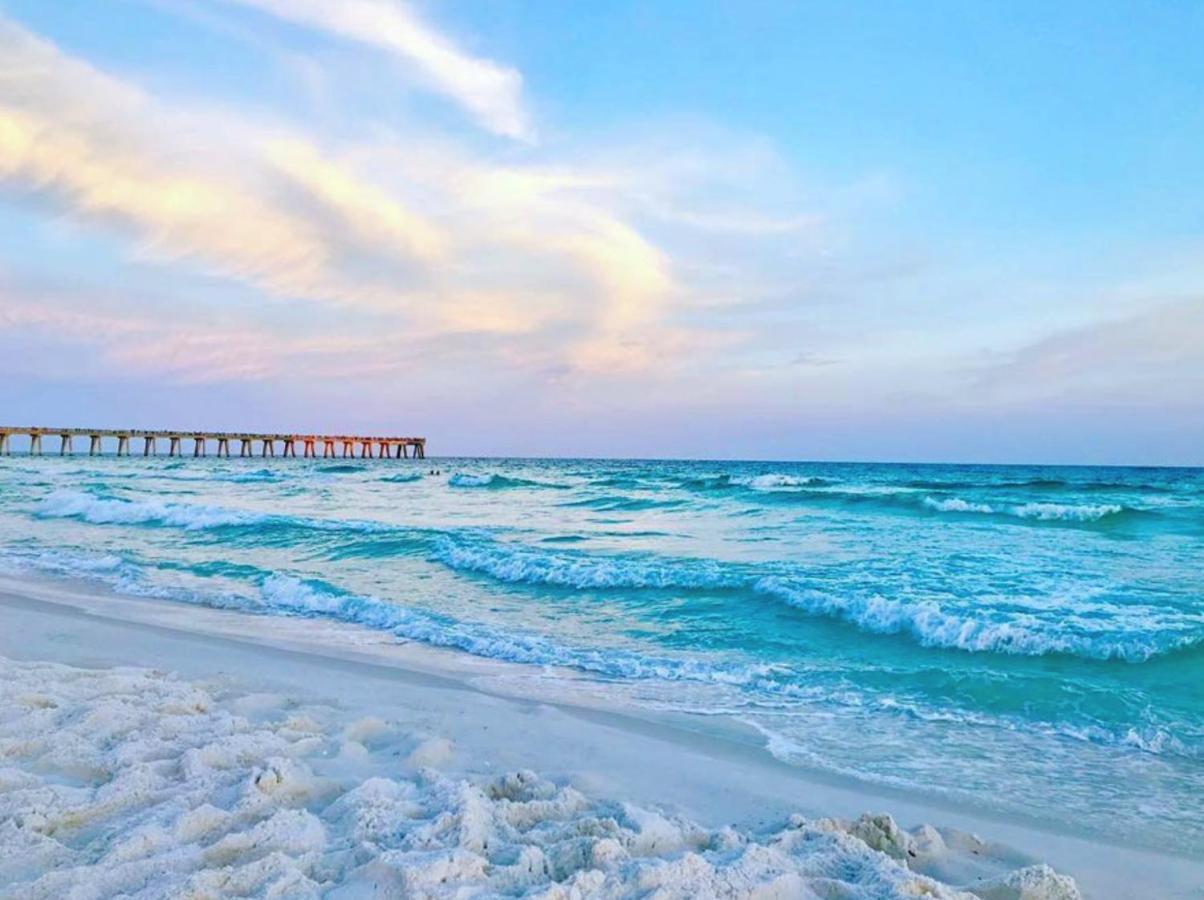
128, 781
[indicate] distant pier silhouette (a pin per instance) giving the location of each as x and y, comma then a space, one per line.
333, 446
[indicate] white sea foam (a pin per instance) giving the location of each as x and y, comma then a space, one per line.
1066, 513
129, 782
113, 511
287, 594
775, 481
956, 504
71, 504
1123, 634
1045, 512
517, 564
932, 625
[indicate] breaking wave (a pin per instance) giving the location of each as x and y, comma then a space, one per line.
932, 625
926, 622
946, 624
116, 511
766, 482
100, 510
1042, 512
516, 564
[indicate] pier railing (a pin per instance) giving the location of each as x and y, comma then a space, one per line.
369, 447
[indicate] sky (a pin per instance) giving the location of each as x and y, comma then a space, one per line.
921, 231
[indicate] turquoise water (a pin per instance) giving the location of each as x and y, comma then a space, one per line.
1025, 639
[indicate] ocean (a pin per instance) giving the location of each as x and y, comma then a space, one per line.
1019, 639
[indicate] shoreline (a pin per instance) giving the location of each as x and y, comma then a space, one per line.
707, 775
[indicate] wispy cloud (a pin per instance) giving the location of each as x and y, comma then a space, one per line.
1156, 352
582, 263
491, 93
93, 145
362, 208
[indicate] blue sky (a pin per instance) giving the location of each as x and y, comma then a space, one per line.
915, 231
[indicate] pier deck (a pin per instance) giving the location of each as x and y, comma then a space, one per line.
332, 445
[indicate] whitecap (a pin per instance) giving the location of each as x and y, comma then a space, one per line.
115, 511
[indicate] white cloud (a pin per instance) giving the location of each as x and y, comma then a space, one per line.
491, 93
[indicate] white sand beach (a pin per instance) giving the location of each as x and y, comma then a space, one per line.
150, 749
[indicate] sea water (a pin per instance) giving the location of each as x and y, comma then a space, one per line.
1028, 640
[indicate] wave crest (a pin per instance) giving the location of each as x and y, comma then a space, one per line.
927, 622
931, 625
1042, 512
516, 564
116, 511
494, 480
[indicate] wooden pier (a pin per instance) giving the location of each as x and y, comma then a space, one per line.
313, 446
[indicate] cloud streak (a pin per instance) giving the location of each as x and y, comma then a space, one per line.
490, 93
1154, 352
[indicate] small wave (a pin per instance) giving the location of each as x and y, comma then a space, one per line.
925, 621
257, 475
402, 478
1048, 512
245, 477
276, 593
494, 480
969, 484
956, 504
339, 469
617, 481
310, 597
930, 625
904, 500
775, 482
516, 564
766, 482
115, 511
1043, 512
1044, 485
624, 504
188, 516
464, 479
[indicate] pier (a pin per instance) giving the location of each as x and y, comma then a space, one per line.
313, 446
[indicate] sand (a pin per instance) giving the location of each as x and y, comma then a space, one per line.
151, 749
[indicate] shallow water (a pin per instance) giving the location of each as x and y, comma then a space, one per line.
1027, 639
